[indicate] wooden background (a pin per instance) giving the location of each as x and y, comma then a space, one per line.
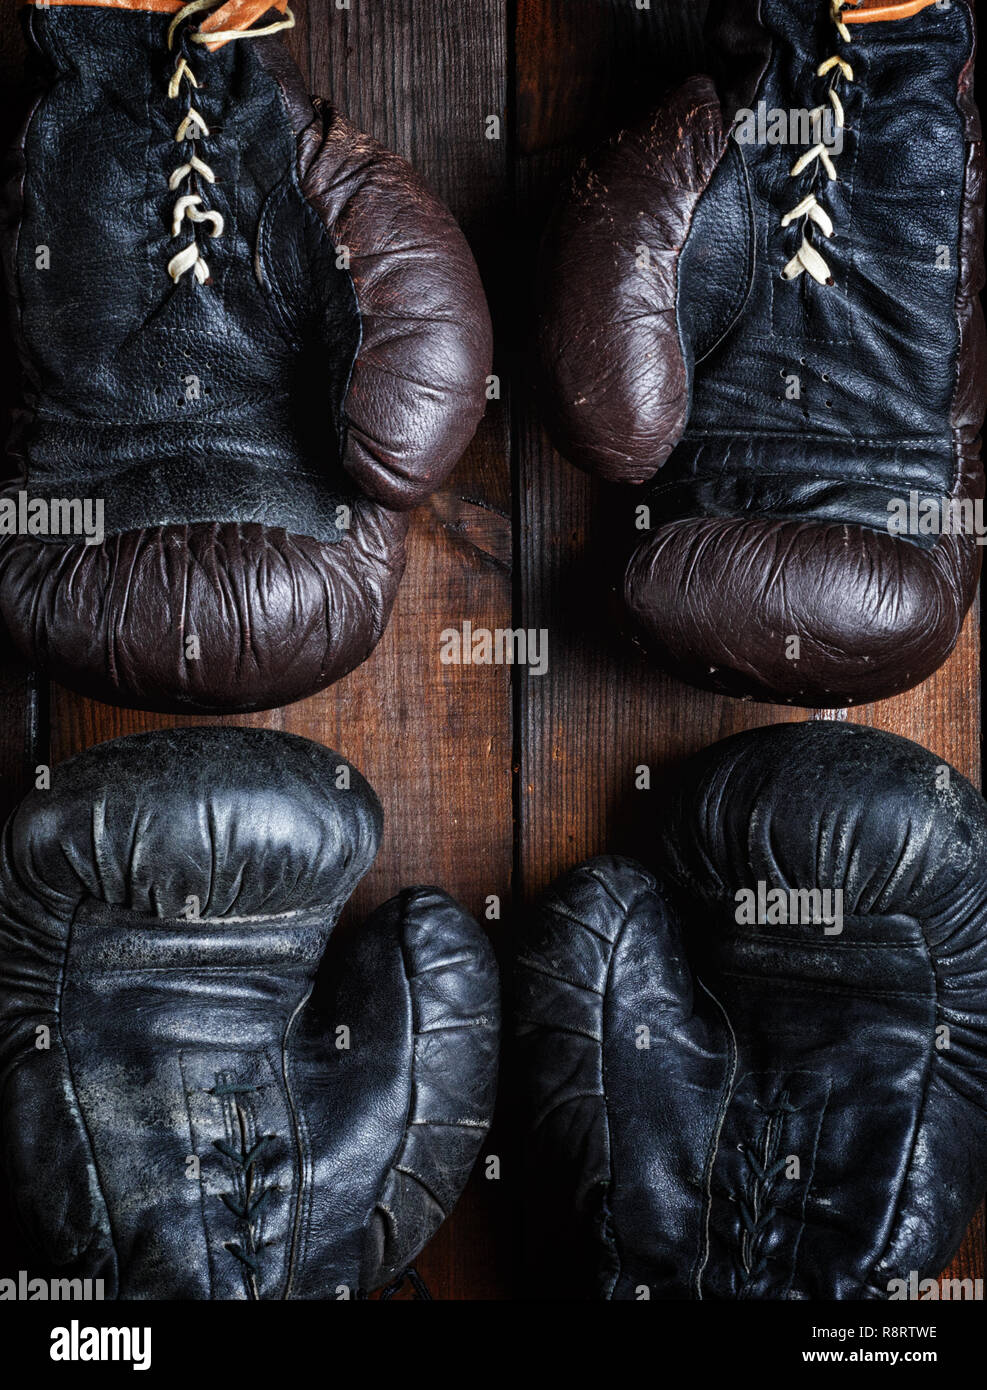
491, 786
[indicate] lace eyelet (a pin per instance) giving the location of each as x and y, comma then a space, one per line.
192, 130
809, 211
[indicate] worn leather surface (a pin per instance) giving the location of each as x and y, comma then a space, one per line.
201, 1124
769, 517
256, 438
862, 1053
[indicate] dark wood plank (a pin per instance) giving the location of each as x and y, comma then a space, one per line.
435, 740
586, 67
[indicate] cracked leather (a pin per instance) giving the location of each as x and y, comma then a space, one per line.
729, 1111
189, 1111
255, 439
679, 348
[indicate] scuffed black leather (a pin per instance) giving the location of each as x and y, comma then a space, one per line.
186, 1111
784, 415
112, 341
878, 356
255, 439
767, 1042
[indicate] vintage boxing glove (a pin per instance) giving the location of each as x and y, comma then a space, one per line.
185, 1113
738, 1093
795, 328
246, 330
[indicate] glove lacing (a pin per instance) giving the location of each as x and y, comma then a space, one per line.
194, 173
418, 1286
249, 1194
810, 211
757, 1207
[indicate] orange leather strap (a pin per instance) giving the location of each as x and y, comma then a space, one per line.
235, 14
873, 11
240, 14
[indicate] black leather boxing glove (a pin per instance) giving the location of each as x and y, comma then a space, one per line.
791, 332
726, 1107
185, 1113
246, 330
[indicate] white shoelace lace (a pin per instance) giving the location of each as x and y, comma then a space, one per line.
193, 128
810, 211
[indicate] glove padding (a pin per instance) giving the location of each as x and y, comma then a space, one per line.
792, 421
255, 439
768, 1111
186, 1113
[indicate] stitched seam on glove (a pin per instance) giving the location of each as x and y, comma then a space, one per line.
837, 990
378, 1205
785, 437
83, 1123
726, 1092
303, 1150
920, 1116
187, 1090
741, 293
608, 1228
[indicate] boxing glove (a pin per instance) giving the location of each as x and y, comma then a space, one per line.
768, 291
761, 1071
248, 333
185, 1112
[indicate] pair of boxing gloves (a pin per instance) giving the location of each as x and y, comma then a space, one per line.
254, 337
722, 1101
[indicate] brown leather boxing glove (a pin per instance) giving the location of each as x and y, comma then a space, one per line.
791, 333
247, 331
